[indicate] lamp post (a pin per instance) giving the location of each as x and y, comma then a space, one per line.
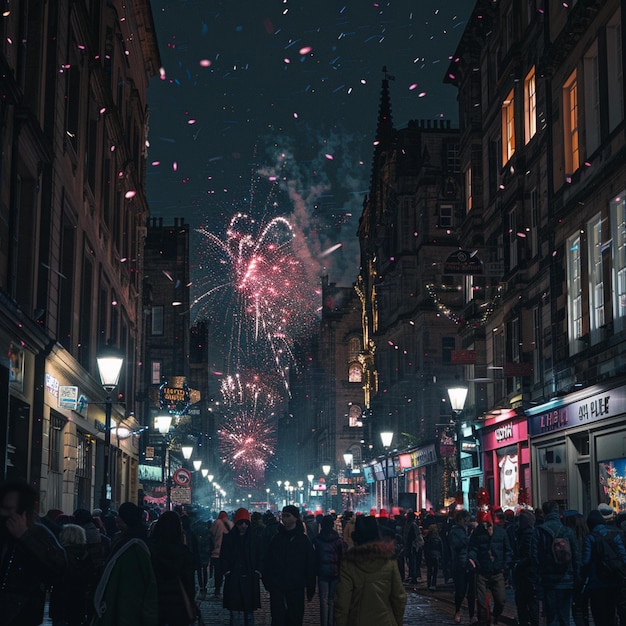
386, 438
163, 424
348, 459
300, 490
110, 363
187, 452
267, 497
457, 402
326, 469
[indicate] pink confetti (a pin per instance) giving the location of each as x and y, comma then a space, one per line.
305, 50
156, 163
205, 63
413, 86
103, 110
287, 61
421, 94
191, 121
174, 166
330, 157
295, 115
131, 193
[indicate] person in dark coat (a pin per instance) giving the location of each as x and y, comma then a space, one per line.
329, 549
71, 599
523, 574
554, 583
603, 592
489, 555
289, 570
240, 560
433, 550
30, 557
458, 542
174, 567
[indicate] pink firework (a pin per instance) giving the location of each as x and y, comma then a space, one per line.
262, 285
247, 433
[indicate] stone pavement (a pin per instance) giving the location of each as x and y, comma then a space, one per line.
421, 609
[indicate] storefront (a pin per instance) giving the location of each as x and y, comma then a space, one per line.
506, 458
578, 449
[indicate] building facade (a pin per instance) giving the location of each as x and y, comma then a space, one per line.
541, 98
73, 212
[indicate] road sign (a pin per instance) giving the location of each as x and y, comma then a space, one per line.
182, 477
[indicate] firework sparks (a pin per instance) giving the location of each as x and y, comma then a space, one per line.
265, 288
247, 434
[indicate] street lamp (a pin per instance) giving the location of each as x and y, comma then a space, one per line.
326, 469
386, 438
187, 452
300, 485
110, 363
205, 472
197, 464
267, 491
457, 402
163, 423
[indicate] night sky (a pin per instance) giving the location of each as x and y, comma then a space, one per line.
269, 107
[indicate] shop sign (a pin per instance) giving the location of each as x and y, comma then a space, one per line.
180, 495
463, 262
150, 473
595, 408
424, 456
52, 385
68, 397
502, 433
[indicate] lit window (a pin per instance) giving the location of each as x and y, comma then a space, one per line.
574, 292
596, 283
355, 373
156, 373
618, 231
530, 105
570, 121
354, 416
508, 128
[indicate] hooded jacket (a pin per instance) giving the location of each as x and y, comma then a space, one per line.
328, 551
370, 591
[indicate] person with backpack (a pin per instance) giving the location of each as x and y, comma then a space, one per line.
604, 564
555, 558
525, 598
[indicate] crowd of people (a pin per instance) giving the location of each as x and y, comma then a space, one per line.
148, 568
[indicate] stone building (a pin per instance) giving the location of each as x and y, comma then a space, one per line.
541, 101
73, 131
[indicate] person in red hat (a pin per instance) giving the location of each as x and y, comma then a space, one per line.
240, 560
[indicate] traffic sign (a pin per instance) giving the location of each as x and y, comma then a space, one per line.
182, 477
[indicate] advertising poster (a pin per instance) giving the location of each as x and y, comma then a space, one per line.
613, 483
509, 480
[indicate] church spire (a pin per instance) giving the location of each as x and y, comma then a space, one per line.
384, 130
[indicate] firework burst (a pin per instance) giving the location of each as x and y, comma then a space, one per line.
247, 435
256, 272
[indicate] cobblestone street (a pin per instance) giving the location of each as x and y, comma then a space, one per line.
421, 609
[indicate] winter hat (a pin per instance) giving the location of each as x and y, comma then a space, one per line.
383, 513
484, 516
527, 516
82, 516
594, 519
131, 514
606, 511
223, 515
365, 530
327, 522
292, 510
242, 514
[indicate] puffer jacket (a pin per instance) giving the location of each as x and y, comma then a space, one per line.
590, 565
546, 573
491, 553
370, 591
328, 550
458, 540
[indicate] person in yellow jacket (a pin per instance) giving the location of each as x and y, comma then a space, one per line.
370, 591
